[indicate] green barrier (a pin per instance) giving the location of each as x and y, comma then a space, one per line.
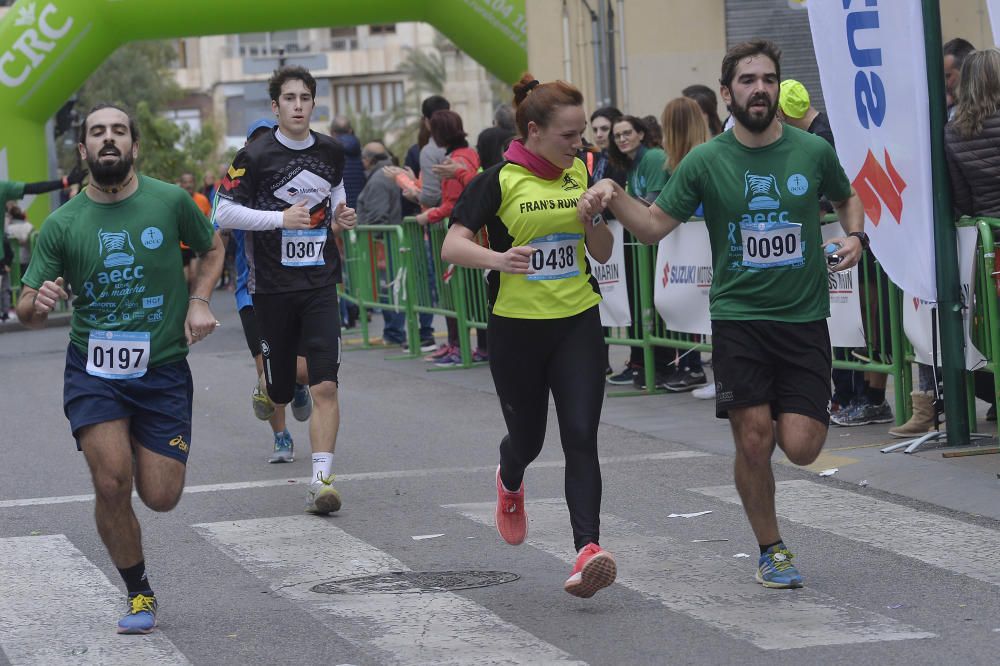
460, 292
985, 329
428, 285
379, 277
884, 351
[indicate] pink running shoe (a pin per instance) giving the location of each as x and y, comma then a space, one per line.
512, 521
441, 352
595, 569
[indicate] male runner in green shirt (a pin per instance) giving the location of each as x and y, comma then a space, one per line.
128, 388
769, 299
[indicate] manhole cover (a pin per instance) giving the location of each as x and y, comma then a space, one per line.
414, 582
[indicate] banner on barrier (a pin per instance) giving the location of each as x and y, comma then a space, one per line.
993, 7
846, 327
615, 308
874, 77
683, 278
917, 318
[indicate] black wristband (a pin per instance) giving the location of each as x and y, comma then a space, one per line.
861, 236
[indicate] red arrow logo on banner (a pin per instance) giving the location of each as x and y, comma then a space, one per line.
666, 273
876, 186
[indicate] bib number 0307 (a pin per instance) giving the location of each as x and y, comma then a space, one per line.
303, 247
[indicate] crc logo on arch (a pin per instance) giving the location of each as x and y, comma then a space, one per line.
878, 184
43, 30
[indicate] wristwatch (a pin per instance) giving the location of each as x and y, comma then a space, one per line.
861, 236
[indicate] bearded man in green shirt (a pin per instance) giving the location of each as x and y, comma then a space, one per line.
769, 298
128, 389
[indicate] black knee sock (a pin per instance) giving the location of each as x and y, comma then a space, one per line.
135, 578
764, 549
874, 395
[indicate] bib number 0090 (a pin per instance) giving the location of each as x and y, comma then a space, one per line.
302, 247
117, 355
555, 257
770, 245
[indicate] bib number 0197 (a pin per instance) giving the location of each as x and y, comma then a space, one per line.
117, 355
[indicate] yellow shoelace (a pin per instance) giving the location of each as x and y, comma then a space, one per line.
142, 602
326, 481
782, 564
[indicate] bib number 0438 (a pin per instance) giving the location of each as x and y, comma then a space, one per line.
555, 257
302, 247
117, 355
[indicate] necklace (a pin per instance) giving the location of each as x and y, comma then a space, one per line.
112, 190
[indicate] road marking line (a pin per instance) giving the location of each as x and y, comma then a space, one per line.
57, 607
942, 542
361, 476
293, 553
722, 593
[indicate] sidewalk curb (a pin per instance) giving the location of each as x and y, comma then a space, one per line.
12, 325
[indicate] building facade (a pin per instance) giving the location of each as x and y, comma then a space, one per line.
650, 50
357, 69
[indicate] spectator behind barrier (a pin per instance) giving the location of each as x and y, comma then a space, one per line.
354, 172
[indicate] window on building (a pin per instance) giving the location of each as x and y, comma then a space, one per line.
371, 98
191, 118
344, 38
267, 43
382, 29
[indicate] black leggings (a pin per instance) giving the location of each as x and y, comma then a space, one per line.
528, 357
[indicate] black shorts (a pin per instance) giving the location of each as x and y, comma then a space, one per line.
158, 404
785, 365
250, 331
300, 320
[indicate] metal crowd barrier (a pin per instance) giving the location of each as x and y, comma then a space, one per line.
985, 324
399, 268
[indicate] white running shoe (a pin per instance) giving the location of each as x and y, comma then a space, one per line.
323, 498
706, 392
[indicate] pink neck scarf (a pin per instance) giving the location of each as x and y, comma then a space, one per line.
536, 164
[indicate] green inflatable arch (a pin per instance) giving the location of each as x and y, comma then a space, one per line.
49, 47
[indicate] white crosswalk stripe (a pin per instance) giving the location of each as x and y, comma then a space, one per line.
936, 540
57, 607
292, 554
689, 579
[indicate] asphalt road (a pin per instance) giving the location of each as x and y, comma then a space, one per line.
889, 580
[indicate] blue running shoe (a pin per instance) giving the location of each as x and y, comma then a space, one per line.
302, 403
284, 448
775, 568
140, 618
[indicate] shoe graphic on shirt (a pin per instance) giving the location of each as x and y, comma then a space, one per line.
761, 192
117, 248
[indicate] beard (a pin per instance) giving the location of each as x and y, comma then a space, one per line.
756, 124
109, 175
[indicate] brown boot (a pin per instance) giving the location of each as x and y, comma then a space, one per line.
921, 421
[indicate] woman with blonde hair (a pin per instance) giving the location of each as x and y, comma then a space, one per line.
972, 138
684, 127
972, 148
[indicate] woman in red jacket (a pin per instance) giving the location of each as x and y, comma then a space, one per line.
447, 131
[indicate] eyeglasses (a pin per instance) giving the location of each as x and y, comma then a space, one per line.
624, 134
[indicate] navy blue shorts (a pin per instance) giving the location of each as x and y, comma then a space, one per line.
158, 404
